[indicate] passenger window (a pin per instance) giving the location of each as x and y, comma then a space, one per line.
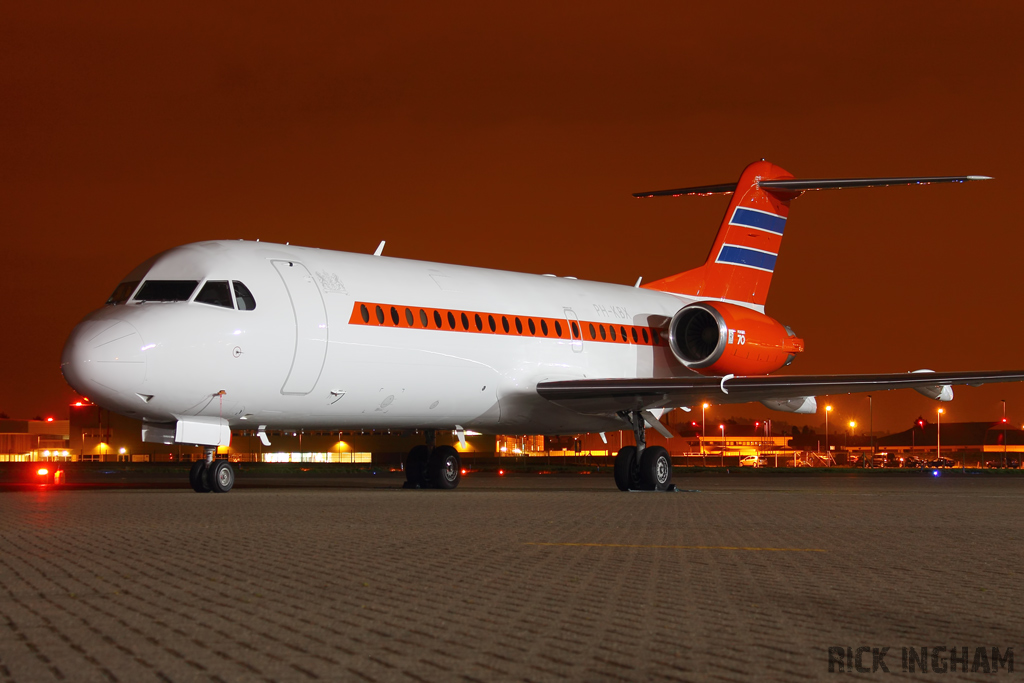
654, 336
122, 293
380, 316
423, 318
611, 331
544, 326
593, 332
532, 326
451, 320
166, 290
490, 323
363, 313
623, 330
633, 330
437, 319
408, 317
646, 338
394, 315
575, 330
216, 293
558, 328
504, 324
600, 328
519, 326
479, 322
244, 299
465, 321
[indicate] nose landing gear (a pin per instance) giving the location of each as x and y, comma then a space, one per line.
431, 466
642, 468
211, 475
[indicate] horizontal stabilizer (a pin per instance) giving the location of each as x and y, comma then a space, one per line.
802, 185
798, 185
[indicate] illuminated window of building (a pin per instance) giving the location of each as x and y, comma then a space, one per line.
423, 318
364, 313
409, 320
380, 315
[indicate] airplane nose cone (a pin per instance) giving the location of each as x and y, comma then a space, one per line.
104, 358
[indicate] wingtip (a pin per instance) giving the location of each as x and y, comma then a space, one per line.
980, 177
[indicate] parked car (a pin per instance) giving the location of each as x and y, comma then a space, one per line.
941, 461
753, 461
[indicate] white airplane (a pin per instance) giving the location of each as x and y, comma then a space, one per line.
221, 335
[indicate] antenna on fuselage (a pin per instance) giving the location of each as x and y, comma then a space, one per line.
380, 249
638, 281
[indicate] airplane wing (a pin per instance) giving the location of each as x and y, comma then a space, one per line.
609, 396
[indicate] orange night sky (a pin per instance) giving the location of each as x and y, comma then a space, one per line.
511, 136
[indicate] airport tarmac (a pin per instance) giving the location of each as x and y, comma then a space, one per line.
520, 578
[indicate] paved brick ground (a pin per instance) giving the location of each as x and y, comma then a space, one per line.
378, 584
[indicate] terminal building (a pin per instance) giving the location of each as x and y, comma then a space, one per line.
93, 434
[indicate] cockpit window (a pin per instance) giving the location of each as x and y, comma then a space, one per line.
243, 297
166, 290
122, 293
215, 293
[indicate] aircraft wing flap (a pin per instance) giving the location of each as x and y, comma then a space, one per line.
609, 396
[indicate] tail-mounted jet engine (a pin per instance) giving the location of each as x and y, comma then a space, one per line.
716, 338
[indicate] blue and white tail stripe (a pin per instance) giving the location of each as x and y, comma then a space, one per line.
747, 257
759, 220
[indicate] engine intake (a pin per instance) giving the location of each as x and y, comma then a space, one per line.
717, 338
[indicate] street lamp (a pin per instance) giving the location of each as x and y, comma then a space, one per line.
828, 409
938, 434
853, 427
721, 460
703, 434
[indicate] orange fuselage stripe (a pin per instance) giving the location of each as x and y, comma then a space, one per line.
479, 322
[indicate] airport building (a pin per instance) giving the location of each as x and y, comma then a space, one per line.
93, 434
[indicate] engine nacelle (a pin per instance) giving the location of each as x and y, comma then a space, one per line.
716, 338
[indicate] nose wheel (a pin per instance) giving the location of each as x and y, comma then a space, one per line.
211, 475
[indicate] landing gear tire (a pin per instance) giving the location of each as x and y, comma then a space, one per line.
444, 469
220, 476
197, 477
416, 467
655, 469
627, 469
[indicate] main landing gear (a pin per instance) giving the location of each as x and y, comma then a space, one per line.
211, 475
642, 468
431, 466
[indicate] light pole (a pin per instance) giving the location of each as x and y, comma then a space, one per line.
871, 425
703, 434
1004, 435
853, 426
828, 409
938, 435
721, 459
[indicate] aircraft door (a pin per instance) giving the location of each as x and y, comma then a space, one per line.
575, 331
310, 327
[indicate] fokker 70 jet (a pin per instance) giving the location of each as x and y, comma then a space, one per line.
217, 336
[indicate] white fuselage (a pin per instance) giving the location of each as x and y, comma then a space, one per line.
304, 358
